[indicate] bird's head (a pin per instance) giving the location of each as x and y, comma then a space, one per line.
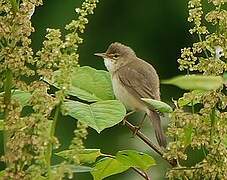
116, 56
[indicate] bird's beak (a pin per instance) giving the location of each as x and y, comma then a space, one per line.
103, 55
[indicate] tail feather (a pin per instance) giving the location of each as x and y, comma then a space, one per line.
156, 121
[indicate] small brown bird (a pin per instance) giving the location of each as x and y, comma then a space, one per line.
133, 79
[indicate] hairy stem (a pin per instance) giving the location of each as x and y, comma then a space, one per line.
50, 145
7, 99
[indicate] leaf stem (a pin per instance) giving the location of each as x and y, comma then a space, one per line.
50, 145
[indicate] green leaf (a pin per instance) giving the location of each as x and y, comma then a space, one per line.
84, 156
123, 161
107, 167
135, 159
158, 105
90, 84
192, 82
83, 94
99, 115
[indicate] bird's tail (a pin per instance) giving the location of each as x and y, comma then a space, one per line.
156, 121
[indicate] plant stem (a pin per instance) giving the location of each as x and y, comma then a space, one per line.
143, 137
212, 129
141, 173
7, 100
50, 145
147, 141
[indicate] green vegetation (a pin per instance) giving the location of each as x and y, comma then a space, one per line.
39, 89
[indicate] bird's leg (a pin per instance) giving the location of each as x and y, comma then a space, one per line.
139, 126
128, 114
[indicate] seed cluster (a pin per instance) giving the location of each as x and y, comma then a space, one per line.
28, 126
198, 124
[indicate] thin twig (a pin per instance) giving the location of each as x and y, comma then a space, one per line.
141, 173
145, 139
148, 178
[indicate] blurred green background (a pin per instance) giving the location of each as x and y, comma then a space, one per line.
156, 30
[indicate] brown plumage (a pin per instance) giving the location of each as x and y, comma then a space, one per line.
133, 79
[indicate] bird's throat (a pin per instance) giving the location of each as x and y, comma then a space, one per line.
109, 64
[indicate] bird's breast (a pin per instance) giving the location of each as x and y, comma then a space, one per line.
122, 94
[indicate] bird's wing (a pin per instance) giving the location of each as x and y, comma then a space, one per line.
141, 81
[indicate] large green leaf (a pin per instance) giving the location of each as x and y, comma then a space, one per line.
192, 82
90, 84
84, 156
158, 105
135, 159
98, 115
107, 167
122, 162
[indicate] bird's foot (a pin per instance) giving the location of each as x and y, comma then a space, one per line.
136, 129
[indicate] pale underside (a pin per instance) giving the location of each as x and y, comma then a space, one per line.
130, 84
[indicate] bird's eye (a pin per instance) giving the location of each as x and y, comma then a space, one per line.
115, 56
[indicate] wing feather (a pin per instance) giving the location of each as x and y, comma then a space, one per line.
142, 81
